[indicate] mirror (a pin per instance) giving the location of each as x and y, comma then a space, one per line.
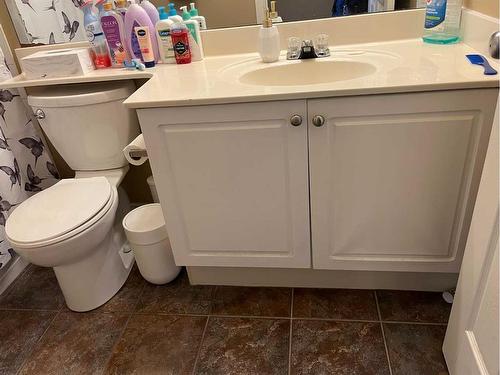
233, 13
59, 21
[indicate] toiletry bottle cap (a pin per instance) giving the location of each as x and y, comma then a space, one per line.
122, 3
108, 6
86, 3
163, 13
171, 9
185, 14
268, 22
193, 11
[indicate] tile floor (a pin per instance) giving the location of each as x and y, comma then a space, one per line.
184, 329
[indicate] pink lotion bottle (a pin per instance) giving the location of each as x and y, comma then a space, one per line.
136, 16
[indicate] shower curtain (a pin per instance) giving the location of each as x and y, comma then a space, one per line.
26, 166
48, 21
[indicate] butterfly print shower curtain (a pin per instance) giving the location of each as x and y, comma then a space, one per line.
26, 166
50, 21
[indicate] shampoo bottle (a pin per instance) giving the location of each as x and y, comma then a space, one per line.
269, 41
195, 43
195, 16
442, 21
98, 44
114, 31
151, 11
136, 16
163, 35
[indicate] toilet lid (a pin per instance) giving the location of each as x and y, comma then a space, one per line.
58, 210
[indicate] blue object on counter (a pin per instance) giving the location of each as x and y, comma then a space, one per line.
134, 64
480, 60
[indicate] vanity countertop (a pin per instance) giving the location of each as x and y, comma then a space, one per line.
401, 66
408, 66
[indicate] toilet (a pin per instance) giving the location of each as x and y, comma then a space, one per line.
75, 225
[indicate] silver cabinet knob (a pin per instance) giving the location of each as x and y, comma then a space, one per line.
318, 121
296, 120
39, 114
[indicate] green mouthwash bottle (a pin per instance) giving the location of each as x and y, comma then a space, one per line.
442, 21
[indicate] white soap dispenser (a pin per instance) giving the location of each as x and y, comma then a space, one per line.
269, 41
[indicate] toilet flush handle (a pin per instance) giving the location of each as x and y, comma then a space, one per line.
39, 114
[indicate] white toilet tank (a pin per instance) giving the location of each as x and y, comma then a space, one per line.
87, 123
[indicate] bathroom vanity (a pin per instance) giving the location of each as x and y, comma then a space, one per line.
374, 183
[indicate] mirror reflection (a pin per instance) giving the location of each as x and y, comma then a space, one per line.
226, 13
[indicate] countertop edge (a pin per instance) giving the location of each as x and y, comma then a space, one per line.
134, 104
20, 81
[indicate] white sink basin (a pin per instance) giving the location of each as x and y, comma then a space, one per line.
307, 72
343, 66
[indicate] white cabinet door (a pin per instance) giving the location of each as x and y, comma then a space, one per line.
471, 345
393, 178
233, 182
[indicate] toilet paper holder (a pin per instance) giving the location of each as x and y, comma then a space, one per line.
137, 154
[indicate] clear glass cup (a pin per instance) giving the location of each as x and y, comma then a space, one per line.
294, 45
321, 45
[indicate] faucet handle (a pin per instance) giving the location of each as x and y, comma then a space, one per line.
293, 52
322, 49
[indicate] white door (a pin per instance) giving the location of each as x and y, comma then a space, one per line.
471, 344
233, 182
394, 177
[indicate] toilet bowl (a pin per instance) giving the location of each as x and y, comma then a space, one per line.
75, 225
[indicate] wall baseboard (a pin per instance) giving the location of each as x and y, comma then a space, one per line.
309, 278
14, 270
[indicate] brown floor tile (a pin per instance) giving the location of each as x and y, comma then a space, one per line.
335, 304
177, 297
252, 301
340, 348
36, 288
408, 306
128, 296
19, 333
76, 343
415, 349
244, 346
158, 344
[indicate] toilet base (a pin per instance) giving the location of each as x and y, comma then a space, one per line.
93, 281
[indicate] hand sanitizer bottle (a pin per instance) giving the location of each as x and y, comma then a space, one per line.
442, 21
195, 43
269, 41
195, 16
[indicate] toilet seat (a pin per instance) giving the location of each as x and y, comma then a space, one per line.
60, 212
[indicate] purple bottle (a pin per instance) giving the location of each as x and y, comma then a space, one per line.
137, 16
151, 11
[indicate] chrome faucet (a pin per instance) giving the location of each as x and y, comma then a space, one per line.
307, 49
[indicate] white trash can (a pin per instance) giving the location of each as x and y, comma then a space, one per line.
148, 238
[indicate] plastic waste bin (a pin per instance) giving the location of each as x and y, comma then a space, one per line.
148, 238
